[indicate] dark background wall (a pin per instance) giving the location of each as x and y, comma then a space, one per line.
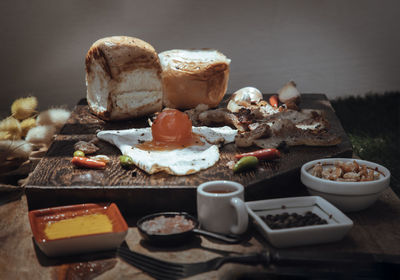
335, 47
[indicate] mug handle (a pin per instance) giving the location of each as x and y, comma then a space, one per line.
242, 215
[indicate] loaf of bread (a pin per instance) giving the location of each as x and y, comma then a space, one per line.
193, 77
123, 78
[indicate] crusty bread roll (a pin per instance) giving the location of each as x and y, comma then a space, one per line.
123, 78
193, 77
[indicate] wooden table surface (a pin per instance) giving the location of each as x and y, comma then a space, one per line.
376, 230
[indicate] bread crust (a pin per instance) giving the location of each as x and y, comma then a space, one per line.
118, 65
119, 54
188, 83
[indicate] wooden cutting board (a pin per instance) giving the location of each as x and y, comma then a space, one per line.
55, 181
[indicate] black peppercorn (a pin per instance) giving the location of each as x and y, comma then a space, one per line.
286, 220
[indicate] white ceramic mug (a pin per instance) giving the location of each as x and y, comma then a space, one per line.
221, 207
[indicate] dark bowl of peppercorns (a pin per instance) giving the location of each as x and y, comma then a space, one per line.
296, 221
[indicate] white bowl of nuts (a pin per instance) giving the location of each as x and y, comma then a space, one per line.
350, 184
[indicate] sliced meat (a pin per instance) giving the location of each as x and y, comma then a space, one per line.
303, 117
260, 110
245, 116
194, 114
221, 116
247, 138
286, 130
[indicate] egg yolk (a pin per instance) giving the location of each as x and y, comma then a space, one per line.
172, 126
172, 129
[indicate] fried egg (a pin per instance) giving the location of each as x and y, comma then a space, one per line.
171, 145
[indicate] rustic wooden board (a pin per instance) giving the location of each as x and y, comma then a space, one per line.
57, 181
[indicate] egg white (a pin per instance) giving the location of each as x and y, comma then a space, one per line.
184, 161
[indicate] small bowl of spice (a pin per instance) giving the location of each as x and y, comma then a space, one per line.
296, 221
349, 184
172, 228
168, 227
75, 229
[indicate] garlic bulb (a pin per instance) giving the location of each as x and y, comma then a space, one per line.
244, 97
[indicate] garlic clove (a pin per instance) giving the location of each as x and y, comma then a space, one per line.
289, 94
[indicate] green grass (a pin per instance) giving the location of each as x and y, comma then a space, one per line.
373, 126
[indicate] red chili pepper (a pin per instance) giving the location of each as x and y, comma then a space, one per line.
266, 154
273, 100
88, 163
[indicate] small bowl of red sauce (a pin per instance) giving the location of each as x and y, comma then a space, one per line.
76, 229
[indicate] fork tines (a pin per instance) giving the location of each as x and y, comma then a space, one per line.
156, 268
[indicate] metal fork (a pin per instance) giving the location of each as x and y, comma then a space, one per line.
354, 265
160, 269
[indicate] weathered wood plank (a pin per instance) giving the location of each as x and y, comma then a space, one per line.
55, 177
